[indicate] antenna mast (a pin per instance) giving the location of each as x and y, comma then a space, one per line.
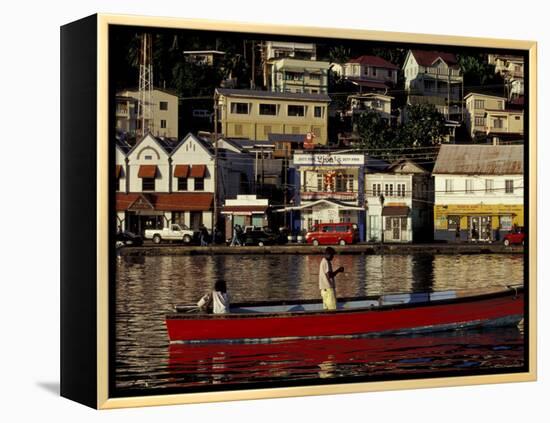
145, 103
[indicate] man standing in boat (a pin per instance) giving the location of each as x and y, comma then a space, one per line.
327, 283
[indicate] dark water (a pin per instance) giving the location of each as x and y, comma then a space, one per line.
148, 287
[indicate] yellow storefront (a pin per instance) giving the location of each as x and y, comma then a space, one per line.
475, 222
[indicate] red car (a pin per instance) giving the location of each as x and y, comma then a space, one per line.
333, 233
516, 237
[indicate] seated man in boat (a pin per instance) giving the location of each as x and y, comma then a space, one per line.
327, 284
217, 300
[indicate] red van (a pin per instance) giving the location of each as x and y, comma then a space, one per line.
333, 233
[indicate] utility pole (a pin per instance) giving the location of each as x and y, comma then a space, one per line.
263, 180
215, 214
449, 93
285, 182
253, 76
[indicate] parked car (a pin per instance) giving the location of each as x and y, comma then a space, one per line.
258, 237
174, 232
333, 233
128, 238
515, 237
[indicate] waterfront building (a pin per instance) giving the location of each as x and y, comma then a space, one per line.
164, 120
245, 210
399, 201
488, 117
331, 189
299, 76
254, 114
478, 192
162, 182
437, 78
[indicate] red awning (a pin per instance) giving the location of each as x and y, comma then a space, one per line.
118, 171
245, 209
189, 201
181, 171
147, 171
198, 171
168, 202
395, 211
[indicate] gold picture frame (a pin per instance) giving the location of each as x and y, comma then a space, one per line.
99, 218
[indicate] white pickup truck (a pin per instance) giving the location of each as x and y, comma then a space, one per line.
174, 232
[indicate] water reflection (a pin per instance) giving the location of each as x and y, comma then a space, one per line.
148, 287
338, 358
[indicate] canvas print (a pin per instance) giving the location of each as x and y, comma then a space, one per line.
294, 211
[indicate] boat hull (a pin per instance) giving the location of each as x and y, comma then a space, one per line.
501, 309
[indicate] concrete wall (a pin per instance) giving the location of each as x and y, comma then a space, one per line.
170, 115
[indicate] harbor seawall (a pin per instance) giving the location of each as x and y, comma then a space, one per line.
452, 249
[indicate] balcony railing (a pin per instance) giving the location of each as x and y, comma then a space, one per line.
443, 73
323, 195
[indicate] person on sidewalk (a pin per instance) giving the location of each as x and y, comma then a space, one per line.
237, 235
327, 283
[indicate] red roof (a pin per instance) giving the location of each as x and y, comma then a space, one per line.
181, 171
188, 201
147, 171
374, 61
198, 171
123, 201
427, 58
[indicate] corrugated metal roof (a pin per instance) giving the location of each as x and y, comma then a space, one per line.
480, 160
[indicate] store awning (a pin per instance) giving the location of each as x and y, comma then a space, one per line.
395, 211
198, 171
244, 210
340, 206
118, 171
181, 171
189, 201
147, 171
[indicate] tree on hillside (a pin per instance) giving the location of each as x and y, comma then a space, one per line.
374, 131
479, 75
425, 126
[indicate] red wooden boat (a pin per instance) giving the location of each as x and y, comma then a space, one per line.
383, 315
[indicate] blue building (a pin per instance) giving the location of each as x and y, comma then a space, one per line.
329, 188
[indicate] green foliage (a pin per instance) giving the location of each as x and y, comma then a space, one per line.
339, 54
425, 126
374, 131
479, 75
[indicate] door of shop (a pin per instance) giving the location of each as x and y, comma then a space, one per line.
396, 228
480, 228
196, 220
